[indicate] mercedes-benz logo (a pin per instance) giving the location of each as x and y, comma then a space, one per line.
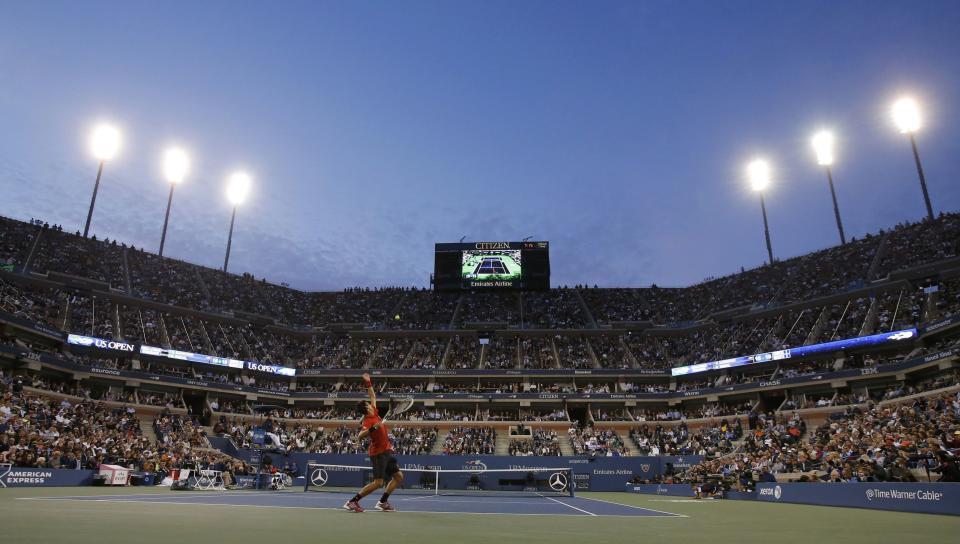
4, 470
558, 481
318, 477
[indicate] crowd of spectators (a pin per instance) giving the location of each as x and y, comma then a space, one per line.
708, 441
611, 352
864, 443
442, 414
168, 400
463, 352
424, 310
16, 238
553, 309
572, 351
537, 353
63, 432
413, 440
470, 441
174, 282
229, 406
41, 306
905, 389
557, 414
489, 307
542, 443
42, 432
78, 256
912, 244
611, 414
500, 354
588, 440
427, 353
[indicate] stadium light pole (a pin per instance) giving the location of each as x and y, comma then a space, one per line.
175, 166
237, 188
906, 115
823, 145
759, 173
104, 142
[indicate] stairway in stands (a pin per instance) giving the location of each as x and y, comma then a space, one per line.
438, 445
503, 443
629, 443
146, 425
565, 447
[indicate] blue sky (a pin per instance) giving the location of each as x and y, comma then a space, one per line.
619, 131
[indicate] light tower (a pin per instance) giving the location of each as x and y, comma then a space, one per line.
175, 166
237, 188
906, 115
758, 171
823, 145
104, 142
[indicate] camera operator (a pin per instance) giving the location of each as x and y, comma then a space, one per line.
947, 468
899, 472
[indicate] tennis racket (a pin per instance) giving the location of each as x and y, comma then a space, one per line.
398, 405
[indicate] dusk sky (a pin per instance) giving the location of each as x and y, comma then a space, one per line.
618, 131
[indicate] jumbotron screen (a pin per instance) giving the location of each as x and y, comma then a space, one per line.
492, 265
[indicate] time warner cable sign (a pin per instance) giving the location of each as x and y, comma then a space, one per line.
99, 343
931, 498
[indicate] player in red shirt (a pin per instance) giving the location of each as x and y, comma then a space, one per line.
381, 454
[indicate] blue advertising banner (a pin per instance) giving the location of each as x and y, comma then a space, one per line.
214, 360
800, 351
99, 343
26, 324
927, 498
670, 490
940, 325
597, 474
851, 373
43, 477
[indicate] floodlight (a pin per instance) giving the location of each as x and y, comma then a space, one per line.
759, 173
104, 142
175, 165
823, 145
906, 115
237, 188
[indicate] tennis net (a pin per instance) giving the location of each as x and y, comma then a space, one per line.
430, 481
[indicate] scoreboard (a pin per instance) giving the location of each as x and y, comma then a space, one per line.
492, 265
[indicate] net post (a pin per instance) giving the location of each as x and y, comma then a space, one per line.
572, 485
436, 481
306, 478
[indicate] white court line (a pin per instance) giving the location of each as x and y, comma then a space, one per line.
672, 514
184, 494
434, 499
570, 505
340, 509
697, 501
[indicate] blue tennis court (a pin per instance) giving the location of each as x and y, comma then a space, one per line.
436, 504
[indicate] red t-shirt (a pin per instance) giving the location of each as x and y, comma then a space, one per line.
379, 441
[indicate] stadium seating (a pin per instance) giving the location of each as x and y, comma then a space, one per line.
573, 354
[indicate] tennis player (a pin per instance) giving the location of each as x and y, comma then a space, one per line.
381, 454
